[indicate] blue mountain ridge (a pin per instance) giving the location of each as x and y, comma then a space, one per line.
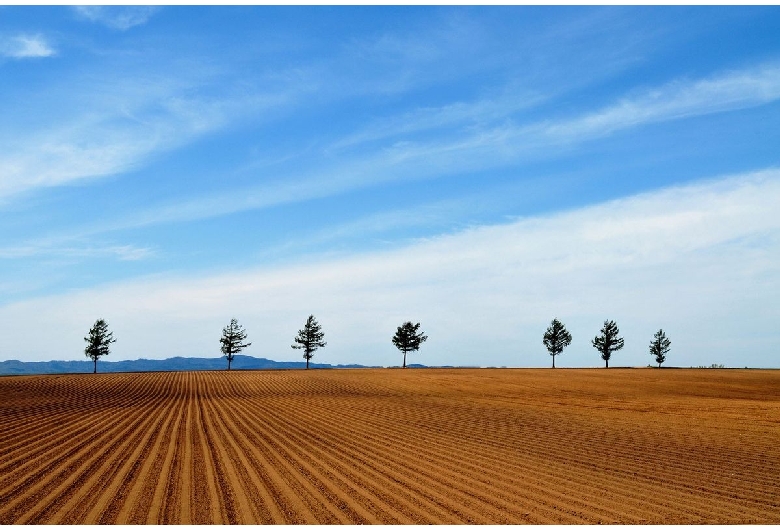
174, 364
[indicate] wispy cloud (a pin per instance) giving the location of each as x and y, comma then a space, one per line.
25, 47
97, 145
117, 17
458, 114
119, 252
122, 126
677, 100
690, 259
476, 148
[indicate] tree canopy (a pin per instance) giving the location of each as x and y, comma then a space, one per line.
556, 338
309, 339
233, 337
608, 342
659, 347
98, 341
407, 338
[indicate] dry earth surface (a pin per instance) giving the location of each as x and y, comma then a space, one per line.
392, 446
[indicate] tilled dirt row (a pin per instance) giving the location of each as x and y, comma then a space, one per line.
392, 447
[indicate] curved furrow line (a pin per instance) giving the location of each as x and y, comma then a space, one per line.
173, 507
427, 500
387, 446
201, 478
597, 496
458, 463
296, 476
38, 451
240, 458
236, 444
649, 468
151, 483
295, 499
138, 478
40, 418
370, 456
240, 433
41, 500
265, 466
33, 427
81, 501
228, 501
377, 481
341, 454
356, 513
651, 478
639, 496
254, 501
32, 485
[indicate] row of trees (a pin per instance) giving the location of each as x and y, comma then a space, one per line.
557, 337
407, 338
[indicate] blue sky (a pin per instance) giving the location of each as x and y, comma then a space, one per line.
479, 170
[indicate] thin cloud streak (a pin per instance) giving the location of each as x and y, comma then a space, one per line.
687, 259
120, 252
120, 18
25, 47
677, 100
486, 149
118, 135
96, 147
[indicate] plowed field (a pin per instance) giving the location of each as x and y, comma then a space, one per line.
392, 446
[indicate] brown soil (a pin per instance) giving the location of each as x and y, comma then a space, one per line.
392, 446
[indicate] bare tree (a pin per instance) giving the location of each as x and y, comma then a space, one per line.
309, 339
232, 339
407, 338
98, 341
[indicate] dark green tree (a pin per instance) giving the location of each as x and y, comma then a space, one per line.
608, 342
556, 338
408, 339
233, 337
98, 341
660, 346
309, 339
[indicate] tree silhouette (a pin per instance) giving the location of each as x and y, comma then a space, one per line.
309, 339
98, 341
232, 339
660, 346
556, 338
608, 341
407, 338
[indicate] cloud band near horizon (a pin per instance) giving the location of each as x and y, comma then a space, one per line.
683, 258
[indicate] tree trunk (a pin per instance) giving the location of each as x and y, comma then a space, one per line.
553, 361
659, 365
404, 360
607, 361
307, 363
94, 370
228, 364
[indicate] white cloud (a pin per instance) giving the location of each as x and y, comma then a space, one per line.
117, 17
120, 252
701, 261
470, 114
487, 147
122, 126
25, 47
677, 100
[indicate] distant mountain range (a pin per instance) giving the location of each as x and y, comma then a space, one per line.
174, 364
